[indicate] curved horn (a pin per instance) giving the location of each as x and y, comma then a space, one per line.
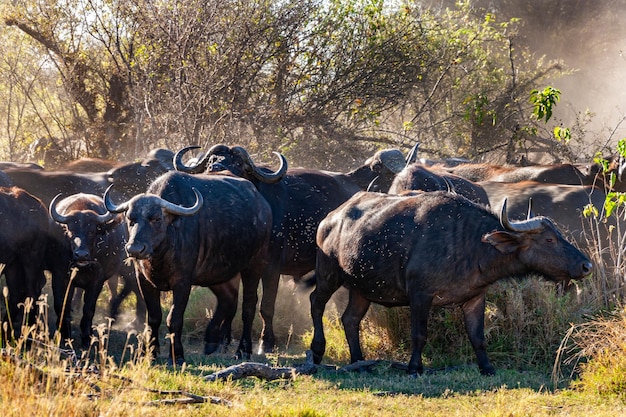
449, 185
266, 177
411, 157
110, 205
56, 216
105, 218
371, 184
530, 214
530, 225
180, 166
180, 210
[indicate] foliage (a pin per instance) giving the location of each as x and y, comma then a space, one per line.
544, 101
324, 82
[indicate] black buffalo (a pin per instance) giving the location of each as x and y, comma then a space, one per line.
23, 238
565, 204
567, 174
47, 184
93, 252
135, 177
299, 198
209, 230
377, 173
419, 177
428, 249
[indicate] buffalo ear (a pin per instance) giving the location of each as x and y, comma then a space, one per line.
175, 221
115, 220
505, 242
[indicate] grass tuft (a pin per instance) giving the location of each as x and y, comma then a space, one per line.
595, 354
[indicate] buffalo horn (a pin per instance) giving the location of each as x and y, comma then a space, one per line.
261, 175
56, 216
180, 166
59, 218
180, 210
530, 214
200, 167
411, 157
371, 184
109, 204
534, 224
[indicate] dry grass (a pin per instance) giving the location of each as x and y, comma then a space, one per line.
43, 380
594, 353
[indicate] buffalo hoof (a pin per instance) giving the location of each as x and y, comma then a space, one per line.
180, 361
317, 358
263, 350
488, 371
211, 348
239, 355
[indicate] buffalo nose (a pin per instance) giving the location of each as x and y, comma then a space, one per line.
81, 255
216, 167
587, 268
136, 250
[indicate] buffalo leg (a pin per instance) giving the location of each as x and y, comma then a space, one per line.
89, 309
474, 317
327, 282
63, 293
219, 327
420, 310
35, 281
175, 318
351, 320
17, 293
270, 282
250, 283
152, 299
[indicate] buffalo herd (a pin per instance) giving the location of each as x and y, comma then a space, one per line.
394, 231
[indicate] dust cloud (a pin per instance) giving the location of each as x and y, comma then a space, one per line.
590, 38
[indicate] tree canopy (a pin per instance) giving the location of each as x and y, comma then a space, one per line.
324, 82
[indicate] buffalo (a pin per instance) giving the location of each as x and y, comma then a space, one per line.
93, 246
299, 198
23, 238
47, 184
425, 249
208, 230
89, 165
135, 177
567, 174
419, 177
565, 204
